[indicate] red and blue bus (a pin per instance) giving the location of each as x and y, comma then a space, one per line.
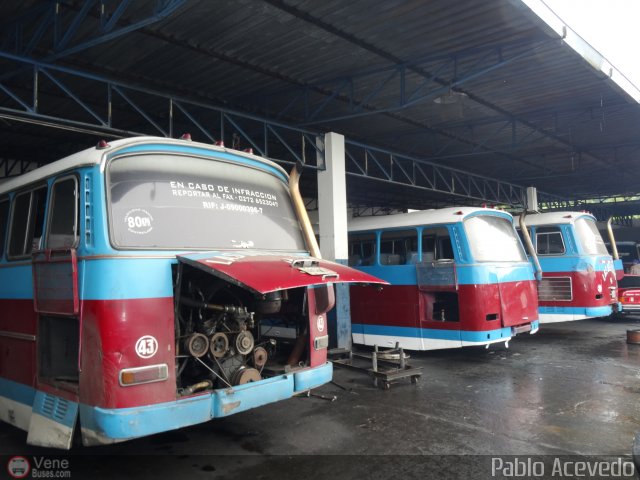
150, 284
458, 277
579, 277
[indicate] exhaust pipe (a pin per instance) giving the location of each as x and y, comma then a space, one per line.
612, 240
301, 211
529, 244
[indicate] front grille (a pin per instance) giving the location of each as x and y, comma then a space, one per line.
555, 289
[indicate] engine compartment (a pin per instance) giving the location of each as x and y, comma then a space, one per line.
227, 335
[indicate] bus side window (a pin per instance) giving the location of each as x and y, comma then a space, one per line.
4, 223
63, 214
27, 220
436, 244
362, 250
549, 241
394, 246
445, 249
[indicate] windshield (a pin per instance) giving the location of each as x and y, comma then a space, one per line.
493, 239
589, 237
179, 202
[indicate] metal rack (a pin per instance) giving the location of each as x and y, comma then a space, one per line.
385, 366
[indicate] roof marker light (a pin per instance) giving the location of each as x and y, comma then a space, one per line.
186, 136
219, 143
459, 212
102, 144
568, 216
248, 150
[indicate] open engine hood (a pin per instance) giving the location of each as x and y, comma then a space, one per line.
263, 273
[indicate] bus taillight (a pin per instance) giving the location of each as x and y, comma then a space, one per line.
141, 375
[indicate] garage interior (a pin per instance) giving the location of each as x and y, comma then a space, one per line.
440, 103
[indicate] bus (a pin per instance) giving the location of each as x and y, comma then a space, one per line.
458, 277
152, 283
579, 277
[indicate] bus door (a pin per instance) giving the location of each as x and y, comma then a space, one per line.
437, 281
56, 301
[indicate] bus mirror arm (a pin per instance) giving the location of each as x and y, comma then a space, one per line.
612, 240
301, 211
529, 245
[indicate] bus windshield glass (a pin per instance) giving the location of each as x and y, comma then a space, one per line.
589, 237
180, 202
493, 239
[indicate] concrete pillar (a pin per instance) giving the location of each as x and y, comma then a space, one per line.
332, 214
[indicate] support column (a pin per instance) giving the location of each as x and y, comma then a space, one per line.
332, 214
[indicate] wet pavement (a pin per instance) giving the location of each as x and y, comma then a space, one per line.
571, 389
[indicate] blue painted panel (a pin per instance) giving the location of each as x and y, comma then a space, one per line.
122, 279
251, 395
134, 422
17, 392
589, 311
466, 336
17, 282
476, 274
575, 263
313, 378
55, 408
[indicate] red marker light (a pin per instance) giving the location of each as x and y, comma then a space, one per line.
102, 144
219, 143
186, 136
248, 150
459, 212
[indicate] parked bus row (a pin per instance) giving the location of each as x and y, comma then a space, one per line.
151, 284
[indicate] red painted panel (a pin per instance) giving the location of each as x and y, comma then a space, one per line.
584, 288
268, 273
519, 303
513, 303
318, 326
396, 305
111, 329
18, 356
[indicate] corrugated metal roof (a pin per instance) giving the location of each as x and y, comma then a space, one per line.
533, 111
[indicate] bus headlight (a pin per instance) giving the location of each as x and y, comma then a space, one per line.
140, 375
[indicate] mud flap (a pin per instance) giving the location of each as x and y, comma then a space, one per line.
52, 421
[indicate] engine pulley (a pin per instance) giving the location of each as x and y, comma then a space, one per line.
196, 344
245, 375
260, 357
244, 342
219, 345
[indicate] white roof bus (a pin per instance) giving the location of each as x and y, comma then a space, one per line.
151, 283
459, 277
578, 273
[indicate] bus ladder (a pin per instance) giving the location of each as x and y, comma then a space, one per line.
381, 365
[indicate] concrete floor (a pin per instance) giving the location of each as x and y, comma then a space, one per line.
571, 389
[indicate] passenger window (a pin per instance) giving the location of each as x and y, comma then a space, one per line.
63, 223
4, 223
395, 247
549, 241
362, 250
27, 220
436, 244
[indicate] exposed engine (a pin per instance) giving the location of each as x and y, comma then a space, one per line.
226, 335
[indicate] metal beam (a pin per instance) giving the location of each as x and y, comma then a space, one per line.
155, 112
41, 28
